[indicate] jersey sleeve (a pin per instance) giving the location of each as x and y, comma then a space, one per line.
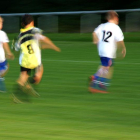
38, 34
3, 37
37, 30
119, 35
98, 29
15, 44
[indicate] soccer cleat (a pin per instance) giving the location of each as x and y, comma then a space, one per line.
29, 90
96, 85
93, 90
16, 100
103, 87
19, 95
32, 92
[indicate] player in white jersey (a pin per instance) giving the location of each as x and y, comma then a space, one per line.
107, 36
4, 52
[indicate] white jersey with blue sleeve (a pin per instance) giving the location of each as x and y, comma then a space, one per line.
3, 39
108, 35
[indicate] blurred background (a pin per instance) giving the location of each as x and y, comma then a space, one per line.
65, 109
61, 21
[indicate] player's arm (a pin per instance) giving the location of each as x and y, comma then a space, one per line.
95, 38
50, 44
122, 46
9, 54
120, 41
46, 43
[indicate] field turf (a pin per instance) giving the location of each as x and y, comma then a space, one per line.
66, 110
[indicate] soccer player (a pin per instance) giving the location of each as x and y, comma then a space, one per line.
107, 36
30, 57
4, 52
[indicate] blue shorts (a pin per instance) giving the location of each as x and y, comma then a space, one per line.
105, 61
3, 66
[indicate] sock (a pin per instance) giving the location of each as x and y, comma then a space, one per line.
100, 72
105, 73
2, 85
104, 83
31, 80
100, 83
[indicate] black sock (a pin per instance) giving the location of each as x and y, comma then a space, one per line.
31, 80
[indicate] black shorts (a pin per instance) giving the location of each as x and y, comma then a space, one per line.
29, 71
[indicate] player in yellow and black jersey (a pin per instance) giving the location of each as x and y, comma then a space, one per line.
30, 56
28, 43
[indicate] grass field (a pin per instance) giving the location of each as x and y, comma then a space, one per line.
65, 109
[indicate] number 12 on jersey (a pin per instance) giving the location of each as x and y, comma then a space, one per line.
106, 35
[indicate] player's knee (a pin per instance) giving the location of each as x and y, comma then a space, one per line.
4, 70
37, 79
34, 80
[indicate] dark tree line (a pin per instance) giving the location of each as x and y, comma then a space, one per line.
26, 6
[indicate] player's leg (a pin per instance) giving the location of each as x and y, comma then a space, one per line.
5, 70
2, 85
20, 91
36, 78
39, 74
102, 70
19, 94
101, 79
22, 78
4, 66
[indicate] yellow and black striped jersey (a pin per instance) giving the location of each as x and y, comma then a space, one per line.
30, 54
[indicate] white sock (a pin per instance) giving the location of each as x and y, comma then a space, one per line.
100, 72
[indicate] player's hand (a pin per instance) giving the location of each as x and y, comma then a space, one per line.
95, 42
124, 52
10, 56
57, 49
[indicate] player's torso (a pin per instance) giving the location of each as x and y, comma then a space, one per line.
2, 52
107, 40
30, 52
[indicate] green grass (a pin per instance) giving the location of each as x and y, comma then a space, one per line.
66, 110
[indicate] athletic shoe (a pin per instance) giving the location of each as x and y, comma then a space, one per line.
29, 90
16, 100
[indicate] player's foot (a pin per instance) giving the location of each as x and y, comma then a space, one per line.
103, 87
93, 90
31, 91
19, 95
16, 100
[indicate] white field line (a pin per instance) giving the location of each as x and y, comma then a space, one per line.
74, 61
